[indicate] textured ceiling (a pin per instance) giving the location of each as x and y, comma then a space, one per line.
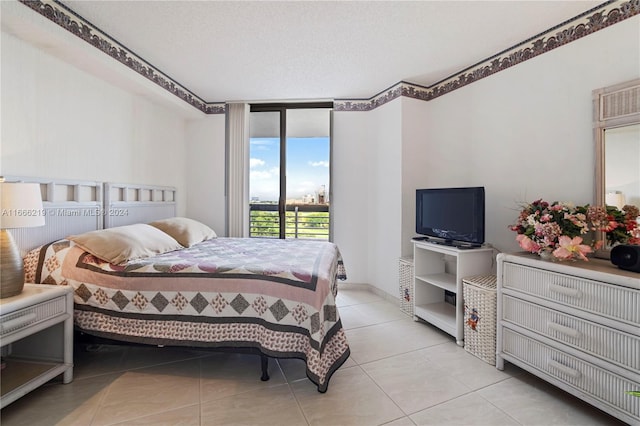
262, 50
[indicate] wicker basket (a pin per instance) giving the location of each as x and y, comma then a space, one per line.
405, 265
479, 294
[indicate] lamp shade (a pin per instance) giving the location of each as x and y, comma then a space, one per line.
20, 205
615, 199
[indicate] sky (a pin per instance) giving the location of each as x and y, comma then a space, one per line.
307, 167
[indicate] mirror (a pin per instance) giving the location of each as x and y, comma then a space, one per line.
622, 166
617, 137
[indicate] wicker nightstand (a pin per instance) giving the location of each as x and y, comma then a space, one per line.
36, 336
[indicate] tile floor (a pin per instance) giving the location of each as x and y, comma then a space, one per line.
400, 373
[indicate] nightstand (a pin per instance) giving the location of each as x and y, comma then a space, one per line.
36, 339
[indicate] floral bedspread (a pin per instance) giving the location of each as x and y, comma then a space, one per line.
277, 296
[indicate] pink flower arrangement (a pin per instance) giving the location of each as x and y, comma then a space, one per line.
568, 248
620, 226
558, 229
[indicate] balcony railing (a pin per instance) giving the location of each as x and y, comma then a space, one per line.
301, 221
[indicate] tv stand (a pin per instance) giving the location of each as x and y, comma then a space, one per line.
439, 268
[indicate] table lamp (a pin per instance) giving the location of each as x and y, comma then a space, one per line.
615, 198
20, 207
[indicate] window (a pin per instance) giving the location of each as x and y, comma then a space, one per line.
289, 179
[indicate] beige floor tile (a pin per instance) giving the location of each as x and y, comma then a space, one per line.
466, 410
365, 314
58, 404
275, 406
185, 416
412, 382
467, 368
349, 363
352, 399
395, 362
96, 359
295, 369
392, 338
354, 296
227, 374
531, 401
404, 421
150, 391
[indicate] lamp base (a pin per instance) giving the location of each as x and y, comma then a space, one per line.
11, 266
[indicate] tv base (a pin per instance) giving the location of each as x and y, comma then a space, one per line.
450, 243
467, 246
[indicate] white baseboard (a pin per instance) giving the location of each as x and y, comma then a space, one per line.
373, 289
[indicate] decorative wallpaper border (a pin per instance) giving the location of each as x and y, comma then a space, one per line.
75, 24
596, 19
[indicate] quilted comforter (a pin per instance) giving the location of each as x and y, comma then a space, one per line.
277, 296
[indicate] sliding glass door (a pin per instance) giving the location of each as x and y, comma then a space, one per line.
289, 177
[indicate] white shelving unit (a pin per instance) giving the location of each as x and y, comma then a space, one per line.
439, 268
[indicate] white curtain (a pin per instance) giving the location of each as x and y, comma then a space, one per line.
237, 161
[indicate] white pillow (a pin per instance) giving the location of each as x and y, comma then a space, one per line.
184, 230
125, 243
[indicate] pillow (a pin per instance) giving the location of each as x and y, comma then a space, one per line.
124, 243
184, 230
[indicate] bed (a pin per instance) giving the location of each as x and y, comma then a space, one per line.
275, 297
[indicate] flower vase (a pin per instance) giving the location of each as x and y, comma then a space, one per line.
547, 255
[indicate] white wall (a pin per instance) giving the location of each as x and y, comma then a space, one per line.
61, 122
416, 153
369, 190
526, 132
350, 163
205, 171
385, 196
523, 133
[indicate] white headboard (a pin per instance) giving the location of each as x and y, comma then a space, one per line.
126, 204
74, 206
70, 207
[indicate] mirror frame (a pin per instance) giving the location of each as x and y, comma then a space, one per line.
613, 106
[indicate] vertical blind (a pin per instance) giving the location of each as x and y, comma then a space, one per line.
237, 176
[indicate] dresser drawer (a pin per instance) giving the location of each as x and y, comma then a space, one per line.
596, 297
23, 318
609, 344
608, 389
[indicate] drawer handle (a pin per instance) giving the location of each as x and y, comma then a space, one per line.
571, 372
572, 292
571, 332
17, 322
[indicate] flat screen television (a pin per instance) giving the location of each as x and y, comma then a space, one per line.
455, 216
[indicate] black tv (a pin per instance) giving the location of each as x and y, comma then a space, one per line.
453, 216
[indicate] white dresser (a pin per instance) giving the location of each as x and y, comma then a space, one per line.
575, 325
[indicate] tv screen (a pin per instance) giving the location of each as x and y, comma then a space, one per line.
451, 214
